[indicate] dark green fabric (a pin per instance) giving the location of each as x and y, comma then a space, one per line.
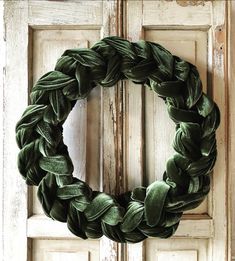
152, 211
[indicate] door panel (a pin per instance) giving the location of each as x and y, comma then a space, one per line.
195, 31
37, 33
177, 249
82, 128
190, 45
52, 250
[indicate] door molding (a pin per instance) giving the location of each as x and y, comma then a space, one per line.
19, 224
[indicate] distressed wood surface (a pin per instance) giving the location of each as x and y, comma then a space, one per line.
179, 249
117, 125
220, 174
134, 121
2, 68
52, 250
231, 124
83, 13
69, 25
15, 100
111, 131
201, 40
82, 128
191, 45
172, 13
40, 226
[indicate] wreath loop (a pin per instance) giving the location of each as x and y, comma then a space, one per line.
153, 211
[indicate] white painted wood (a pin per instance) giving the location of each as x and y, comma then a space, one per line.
182, 255
71, 256
191, 46
53, 27
111, 171
177, 249
56, 250
197, 40
65, 13
39, 226
134, 123
15, 98
109, 135
164, 13
91, 117
231, 124
82, 128
2, 68
219, 243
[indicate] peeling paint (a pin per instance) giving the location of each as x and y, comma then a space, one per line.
219, 34
185, 3
219, 49
219, 38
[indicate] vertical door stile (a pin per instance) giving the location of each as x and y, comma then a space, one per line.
134, 121
231, 124
111, 130
219, 242
15, 101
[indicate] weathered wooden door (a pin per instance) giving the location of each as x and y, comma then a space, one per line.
112, 135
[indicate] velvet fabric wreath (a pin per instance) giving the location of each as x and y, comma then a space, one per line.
153, 211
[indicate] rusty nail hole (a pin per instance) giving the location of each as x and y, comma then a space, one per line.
221, 47
220, 29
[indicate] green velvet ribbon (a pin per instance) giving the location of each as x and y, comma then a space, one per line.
153, 211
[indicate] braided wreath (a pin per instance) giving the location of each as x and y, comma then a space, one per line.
153, 211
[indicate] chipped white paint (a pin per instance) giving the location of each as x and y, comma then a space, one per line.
191, 46
219, 244
190, 227
133, 122
182, 255
189, 32
71, 256
110, 147
85, 13
2, 69
54, 27
162, 13
56, 250
108, 117
15, 100
231, 124
81, 129
177, 249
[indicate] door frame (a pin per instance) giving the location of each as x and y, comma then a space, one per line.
231, 130
13, 189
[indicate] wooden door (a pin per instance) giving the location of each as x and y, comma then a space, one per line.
112, 135
196, 31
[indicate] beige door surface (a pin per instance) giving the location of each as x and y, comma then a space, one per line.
113, 136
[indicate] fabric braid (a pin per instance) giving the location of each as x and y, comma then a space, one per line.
153, 211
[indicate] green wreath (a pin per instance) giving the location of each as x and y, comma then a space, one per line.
153, 211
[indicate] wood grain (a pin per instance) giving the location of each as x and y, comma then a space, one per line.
39, 226
119, 134
15, 100
219, 94
231, 124
111, 130
2, 68
196, 35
